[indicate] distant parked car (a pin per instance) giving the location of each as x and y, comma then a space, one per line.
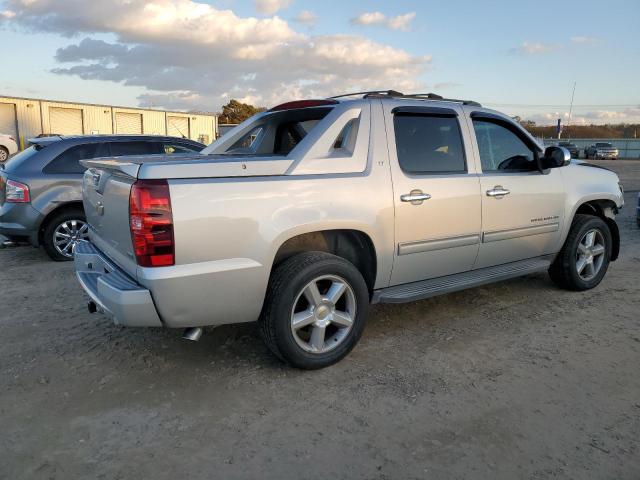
602, 150
638, 211
41, 187
573, 149
8, 147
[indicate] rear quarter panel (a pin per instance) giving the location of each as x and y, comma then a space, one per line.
228, 231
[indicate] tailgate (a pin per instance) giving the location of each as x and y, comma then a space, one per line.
106, 204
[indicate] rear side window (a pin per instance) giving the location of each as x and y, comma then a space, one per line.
119, 149
68, 162
501, 149
429, 144
171, 148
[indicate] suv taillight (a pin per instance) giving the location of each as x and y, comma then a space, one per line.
151, 222
16, 192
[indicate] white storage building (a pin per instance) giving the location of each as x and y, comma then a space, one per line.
24, 118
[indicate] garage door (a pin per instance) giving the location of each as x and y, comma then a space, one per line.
8, 119
65, 121
128, 122
178, 126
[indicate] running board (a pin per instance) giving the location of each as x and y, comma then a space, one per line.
409, 292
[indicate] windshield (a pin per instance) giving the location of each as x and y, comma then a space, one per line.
603, 145
19, 158
277, 133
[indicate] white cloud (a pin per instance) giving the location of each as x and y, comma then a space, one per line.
400, 22
534, 48
189, 54
446, 85
582, 39
269, 7
306, 17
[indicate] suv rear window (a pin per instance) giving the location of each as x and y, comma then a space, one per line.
429, 144
22, 157
279, 132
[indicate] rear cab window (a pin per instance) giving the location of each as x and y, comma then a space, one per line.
279, 132
428, 143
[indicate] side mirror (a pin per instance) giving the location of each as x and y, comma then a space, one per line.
555, 157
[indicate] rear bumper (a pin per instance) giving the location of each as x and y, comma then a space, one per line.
20, 220
114, 293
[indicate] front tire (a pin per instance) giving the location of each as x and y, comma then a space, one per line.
315, 310
584, 258
63, 232
4, 154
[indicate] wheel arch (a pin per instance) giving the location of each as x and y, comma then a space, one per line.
61, 208
606, 210
353, 245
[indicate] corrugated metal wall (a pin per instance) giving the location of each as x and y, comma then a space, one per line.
34, 118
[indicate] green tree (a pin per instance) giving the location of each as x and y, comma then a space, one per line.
237, 112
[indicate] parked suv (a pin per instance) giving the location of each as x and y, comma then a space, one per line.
41, 187
602, 150
573, 149
305, 214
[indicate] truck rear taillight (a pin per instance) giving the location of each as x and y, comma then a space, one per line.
16, 192
151, 222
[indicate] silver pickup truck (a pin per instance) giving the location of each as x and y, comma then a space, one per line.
305, 214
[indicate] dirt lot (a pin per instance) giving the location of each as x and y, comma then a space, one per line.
514, 380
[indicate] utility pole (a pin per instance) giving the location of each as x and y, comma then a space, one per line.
571, 106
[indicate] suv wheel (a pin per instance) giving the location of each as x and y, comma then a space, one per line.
584, 258
63, 232
4, 154
315, 310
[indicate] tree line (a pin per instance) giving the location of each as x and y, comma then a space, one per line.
236, 112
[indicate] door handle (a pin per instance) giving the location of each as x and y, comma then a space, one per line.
498, 192
415, 197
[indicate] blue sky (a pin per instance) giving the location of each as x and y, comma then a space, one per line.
520, 57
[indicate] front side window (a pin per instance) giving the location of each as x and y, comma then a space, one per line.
68, 162
429, 144
501, 149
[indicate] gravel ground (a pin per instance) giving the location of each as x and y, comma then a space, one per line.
513, 380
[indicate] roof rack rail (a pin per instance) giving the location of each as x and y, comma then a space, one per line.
417, 96
390, 93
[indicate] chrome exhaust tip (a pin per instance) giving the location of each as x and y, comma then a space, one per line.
192, 333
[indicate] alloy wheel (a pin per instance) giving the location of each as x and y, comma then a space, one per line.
590, 254
67, 235
323, 314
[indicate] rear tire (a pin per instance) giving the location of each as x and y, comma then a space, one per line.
4, 154
584, 258
315, 310
69, 224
